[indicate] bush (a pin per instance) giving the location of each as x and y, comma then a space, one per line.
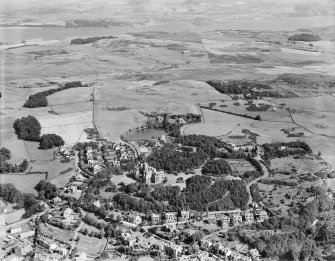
28, 128
49, 141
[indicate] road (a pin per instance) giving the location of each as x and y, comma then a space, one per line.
265, 173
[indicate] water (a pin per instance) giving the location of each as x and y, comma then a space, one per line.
18, 34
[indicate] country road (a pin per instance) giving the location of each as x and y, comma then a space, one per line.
265, 173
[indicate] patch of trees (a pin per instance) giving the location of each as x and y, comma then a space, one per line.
39, 99
28, 128
279, 182
90, 39
171, 159
305, 37
168, 193
6, 167
23, 200
128, 202
284, 149
261, 107
216, 168
46, 190
49, 141
199, 193
245, 88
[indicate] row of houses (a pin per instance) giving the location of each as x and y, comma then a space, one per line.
237, 218
52, 245
230, 255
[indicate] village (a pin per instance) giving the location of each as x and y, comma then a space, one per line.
160, 233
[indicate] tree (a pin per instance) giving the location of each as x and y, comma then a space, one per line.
28, 128
49, 141
4, 154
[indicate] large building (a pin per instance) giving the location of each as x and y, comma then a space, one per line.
151, 175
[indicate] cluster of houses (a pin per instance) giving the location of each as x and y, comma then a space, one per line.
107, 154
149, 174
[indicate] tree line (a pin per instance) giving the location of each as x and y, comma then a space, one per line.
39, 99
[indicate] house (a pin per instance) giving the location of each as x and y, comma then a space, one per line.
23, 249
248, 217
135, 219
127, 238
170, 217
174, 248
79, 177
155, 218
206, 244
181, 121
211, 218
151, 175
170, 227
236, 219
73, 189
15, 229
89, 149
184, 215
96, 169
261, 216
26, 234
160, 119
225, 220
163, 138
56, 200
254, 253
202, 255
97, 203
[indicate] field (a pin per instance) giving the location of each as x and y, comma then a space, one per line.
90, 245
300, 165
240, 166
24, 183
